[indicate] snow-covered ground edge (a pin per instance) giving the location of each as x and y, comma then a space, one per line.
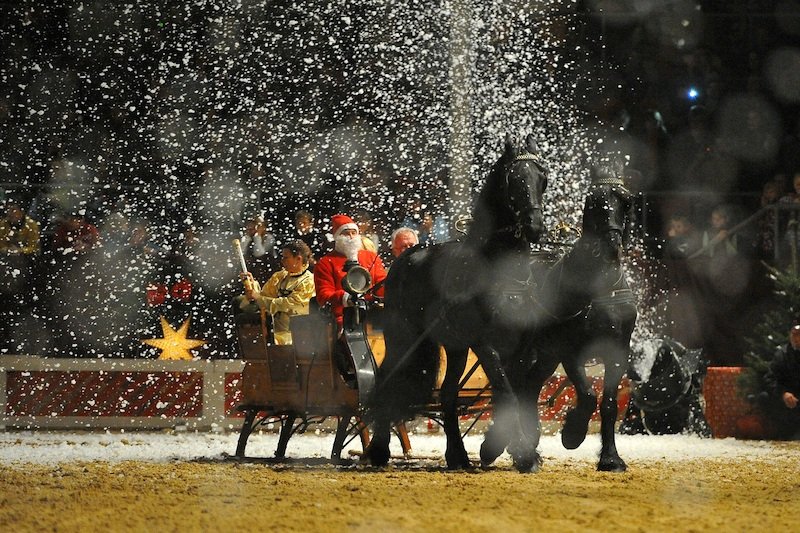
56, 447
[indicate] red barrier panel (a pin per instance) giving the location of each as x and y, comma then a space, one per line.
104, 394
724, 405
39, 391
233, 394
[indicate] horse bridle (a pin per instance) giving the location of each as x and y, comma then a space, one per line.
620, 191
538, 161
516, 229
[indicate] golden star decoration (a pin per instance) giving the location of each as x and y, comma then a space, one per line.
175, 345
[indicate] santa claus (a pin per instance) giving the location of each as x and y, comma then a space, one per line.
330, 269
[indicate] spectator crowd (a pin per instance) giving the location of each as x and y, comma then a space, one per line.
87, 282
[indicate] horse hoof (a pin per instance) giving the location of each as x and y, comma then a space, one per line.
612, 465
489, 453
632, 428
575, 427
526, 457
378, 455
458, 461
528, 465
494, 444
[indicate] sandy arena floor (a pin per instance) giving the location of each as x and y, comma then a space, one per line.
307, 495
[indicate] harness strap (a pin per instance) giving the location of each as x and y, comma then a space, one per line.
617, 297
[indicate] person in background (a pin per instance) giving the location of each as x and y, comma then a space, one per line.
717, 239
791, 237
793, 196
306, 231
782, 386
425, 228
287, 293
75, 234
369, 236
19, 233
764, 243
402, 239
440, 228
19, 246
330, 269
258, 246
430, 225
682, 238
413, 213
772, 191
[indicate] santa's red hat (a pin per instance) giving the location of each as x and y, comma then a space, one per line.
340, 223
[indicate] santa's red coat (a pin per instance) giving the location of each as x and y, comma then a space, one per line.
328, 275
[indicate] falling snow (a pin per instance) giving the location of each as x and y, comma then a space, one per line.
178, 123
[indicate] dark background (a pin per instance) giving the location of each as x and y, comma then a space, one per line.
98, 112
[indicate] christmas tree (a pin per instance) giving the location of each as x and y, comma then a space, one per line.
769, 334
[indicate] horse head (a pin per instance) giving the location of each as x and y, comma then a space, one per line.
607, 212
594, 268
509, 209
526, 181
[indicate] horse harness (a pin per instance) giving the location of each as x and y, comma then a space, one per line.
516, 294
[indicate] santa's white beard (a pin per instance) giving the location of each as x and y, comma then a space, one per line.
348, 246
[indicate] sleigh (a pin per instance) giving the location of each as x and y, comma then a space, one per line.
323, 376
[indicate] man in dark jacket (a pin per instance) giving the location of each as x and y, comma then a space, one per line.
782, 382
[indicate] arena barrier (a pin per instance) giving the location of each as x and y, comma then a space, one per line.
48, 393
724, 405
37, 392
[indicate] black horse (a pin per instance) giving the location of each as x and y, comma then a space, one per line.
586, 310
441, 296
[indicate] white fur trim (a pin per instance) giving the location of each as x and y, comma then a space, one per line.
349, 225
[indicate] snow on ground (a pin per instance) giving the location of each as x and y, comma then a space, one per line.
53, 447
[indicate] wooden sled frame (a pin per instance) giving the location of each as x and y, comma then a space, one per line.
297, 385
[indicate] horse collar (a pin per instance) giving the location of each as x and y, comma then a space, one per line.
610, 181
536, 158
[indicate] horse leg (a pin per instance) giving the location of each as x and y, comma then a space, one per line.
378, 449
402, 382
530, 424
610, 461
505, 423
456, 454
576, 422
495, 441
